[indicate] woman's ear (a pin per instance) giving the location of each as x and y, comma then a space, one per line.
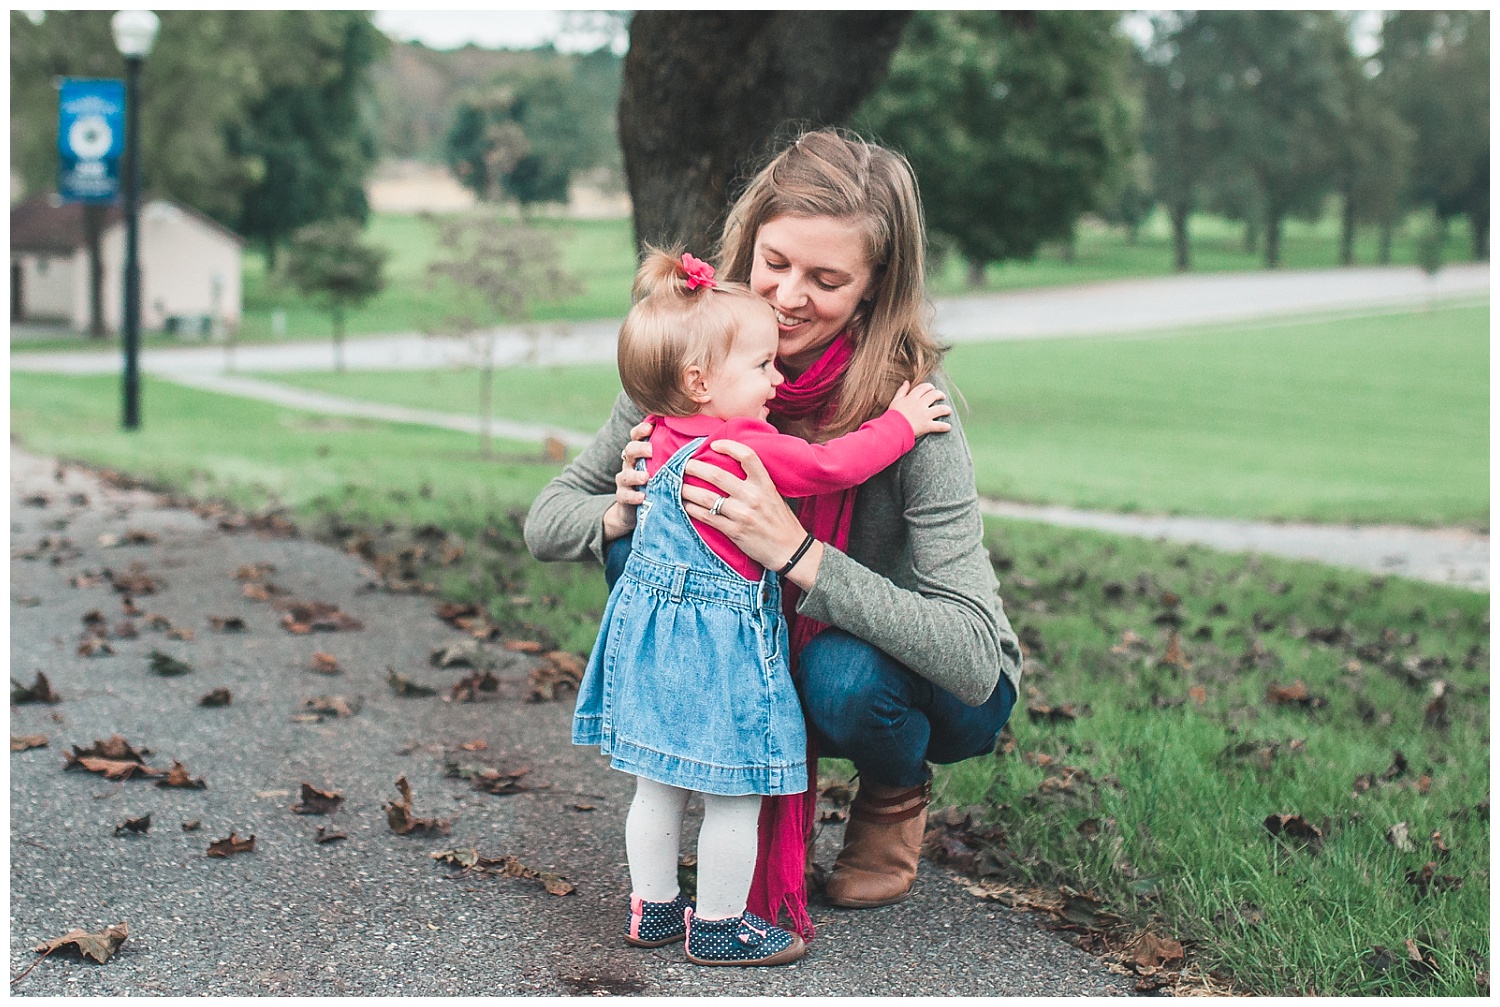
695, 383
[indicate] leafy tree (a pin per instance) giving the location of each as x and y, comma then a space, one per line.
308, 135
704, 93
1372, 162
493, 271
1435, 70
1285, 109
228, 98
1014, 127
1182, 126
527, 134
330, 264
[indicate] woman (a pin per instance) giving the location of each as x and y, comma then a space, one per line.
902, 652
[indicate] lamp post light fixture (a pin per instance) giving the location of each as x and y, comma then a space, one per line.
134, 31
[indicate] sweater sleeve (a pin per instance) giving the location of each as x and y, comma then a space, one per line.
566, 520
801, 469
948, 623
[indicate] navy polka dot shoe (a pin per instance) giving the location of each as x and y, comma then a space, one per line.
653, 924
741, 940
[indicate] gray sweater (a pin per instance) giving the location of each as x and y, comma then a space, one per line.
916, 581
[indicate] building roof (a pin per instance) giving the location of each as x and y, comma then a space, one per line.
43, 223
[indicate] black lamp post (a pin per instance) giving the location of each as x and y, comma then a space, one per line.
134, 31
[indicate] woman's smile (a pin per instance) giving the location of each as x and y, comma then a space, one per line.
814, 273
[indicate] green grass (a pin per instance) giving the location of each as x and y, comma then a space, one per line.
601, 254
1180, 835
1369, 419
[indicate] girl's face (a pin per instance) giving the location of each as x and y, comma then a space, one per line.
814, 273
746, 379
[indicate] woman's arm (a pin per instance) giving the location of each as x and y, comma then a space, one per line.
568, 519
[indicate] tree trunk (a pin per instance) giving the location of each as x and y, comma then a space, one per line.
1346, 232
1273, 238
338, 338
93, 236
1479, 225
974, 277
1252, 234
1387, 232
1179, 216
706, 93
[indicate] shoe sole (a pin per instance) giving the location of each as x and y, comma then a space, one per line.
783, 957
637, 942
867, 903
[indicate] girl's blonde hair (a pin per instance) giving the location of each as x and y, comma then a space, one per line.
671, 328
835, 173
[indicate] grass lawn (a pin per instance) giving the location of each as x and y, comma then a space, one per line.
601, 254
1370, 419
1153, 784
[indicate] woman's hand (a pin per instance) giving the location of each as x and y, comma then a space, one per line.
619, 520
753, 515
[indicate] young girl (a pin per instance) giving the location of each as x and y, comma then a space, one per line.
688, 687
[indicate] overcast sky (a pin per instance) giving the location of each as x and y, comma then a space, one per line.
493, 29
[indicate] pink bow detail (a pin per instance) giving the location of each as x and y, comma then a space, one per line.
699, 273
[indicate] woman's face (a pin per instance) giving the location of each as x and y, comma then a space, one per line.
814, 273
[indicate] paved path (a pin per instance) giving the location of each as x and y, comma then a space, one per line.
372, 914
1093, 309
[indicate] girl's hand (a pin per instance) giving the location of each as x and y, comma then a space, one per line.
922, 406
619, 520
753, 515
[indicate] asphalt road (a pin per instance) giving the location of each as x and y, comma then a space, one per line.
372, 914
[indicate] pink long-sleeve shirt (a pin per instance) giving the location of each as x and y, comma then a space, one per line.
798, 469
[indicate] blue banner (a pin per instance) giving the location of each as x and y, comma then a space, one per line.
90, 139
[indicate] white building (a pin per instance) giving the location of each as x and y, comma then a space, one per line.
190, 267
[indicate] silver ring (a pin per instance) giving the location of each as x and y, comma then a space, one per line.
714, 510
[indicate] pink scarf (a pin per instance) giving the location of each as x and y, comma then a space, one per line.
786, 822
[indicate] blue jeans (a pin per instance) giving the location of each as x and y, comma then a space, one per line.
867, 707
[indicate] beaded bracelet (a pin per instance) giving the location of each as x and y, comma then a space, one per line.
801, 551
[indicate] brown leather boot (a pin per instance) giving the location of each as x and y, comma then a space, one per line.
882, 844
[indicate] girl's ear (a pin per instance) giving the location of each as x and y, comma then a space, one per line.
695, 383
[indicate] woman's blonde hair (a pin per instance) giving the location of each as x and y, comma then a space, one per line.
835, 173
672, 327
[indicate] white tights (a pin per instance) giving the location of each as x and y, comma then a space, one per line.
727, 847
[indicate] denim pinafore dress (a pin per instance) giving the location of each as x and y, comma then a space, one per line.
688, 683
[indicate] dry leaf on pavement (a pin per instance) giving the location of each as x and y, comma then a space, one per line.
230, 846
317, 802
177, 777
168, 666
140, 826
325, 663
23, 742
38, 692
98, 946
218, 697
399, 816
555, 677
403, 686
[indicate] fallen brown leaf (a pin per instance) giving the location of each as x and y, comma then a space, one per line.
227, 624
324, 663
24, 742
1427, 879
168, 666
98, 946
254, 571
477, 745
231, 845
315, 616
401, 820
218, 697
95, 646
524, 646
403, 686
1296, 829
177, 777
330, 706
1174, 655
558, 676
180, 633
317, 802
1151, 953
38, 692
468, 688
469, 860
191, 826
1295, 694
140, 826
327, 834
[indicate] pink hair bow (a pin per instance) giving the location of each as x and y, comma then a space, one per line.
699, 273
